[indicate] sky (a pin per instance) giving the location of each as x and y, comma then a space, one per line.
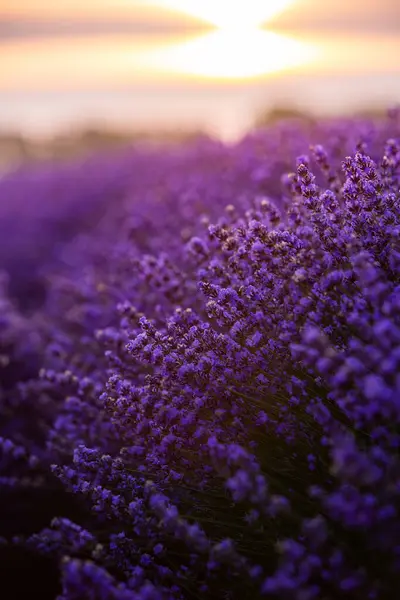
191, 63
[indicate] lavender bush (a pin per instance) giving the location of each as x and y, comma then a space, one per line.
204, 399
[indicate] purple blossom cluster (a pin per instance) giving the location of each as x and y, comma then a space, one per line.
203, 401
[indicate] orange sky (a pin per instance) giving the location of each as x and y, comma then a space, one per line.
86, 43
93, 9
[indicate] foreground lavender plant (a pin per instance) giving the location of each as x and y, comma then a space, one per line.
222, 400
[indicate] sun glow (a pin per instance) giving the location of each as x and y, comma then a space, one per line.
228, 14
238, 47
223, 54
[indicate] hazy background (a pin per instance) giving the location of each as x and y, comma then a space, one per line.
136, 64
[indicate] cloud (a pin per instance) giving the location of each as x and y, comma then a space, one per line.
341, 15
31, 28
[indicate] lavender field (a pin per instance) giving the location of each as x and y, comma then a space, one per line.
200, 370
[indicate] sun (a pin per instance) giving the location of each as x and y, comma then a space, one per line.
228, 14
221, 55
237, 48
